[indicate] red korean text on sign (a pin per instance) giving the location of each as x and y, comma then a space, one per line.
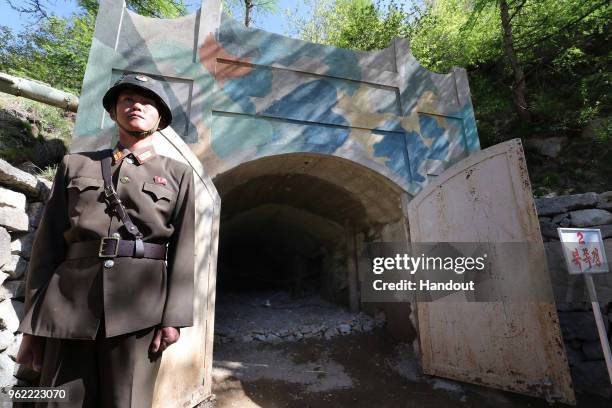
596, 258
576, 258
586, 257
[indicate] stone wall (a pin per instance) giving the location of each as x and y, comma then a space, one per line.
22, 200
582, 344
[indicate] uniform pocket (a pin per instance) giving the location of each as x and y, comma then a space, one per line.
158, 192
84, 194
85, 183
162, 204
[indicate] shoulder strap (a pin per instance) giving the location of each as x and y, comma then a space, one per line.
115, 205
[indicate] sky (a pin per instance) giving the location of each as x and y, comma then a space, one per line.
276, 23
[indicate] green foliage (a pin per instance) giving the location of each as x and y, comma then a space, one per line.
237, 8
48, 172
446, 35
56, 50
56, 53
356, 24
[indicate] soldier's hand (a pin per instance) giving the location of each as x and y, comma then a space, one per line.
163, 338
31, 351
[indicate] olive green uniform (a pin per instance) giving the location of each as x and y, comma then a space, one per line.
94, 302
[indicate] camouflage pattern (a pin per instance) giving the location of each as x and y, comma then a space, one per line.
239, 94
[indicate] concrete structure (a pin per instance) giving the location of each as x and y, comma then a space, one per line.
315, 150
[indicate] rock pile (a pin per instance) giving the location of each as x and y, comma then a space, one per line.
589, 210
22, 200
359, 324
274, 317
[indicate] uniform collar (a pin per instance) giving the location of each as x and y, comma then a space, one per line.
141, 154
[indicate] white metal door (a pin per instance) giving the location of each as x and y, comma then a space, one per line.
512, 346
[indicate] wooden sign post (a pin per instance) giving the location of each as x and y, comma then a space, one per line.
585, 254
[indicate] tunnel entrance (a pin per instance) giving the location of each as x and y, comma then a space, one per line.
291, 234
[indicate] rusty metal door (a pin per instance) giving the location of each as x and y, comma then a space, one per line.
511, 346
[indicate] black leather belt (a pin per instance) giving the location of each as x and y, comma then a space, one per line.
111, 247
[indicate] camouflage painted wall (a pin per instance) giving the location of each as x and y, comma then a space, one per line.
240, 94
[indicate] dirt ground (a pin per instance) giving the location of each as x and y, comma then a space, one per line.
357, 370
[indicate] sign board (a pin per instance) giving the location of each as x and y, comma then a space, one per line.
584, 254
583, 250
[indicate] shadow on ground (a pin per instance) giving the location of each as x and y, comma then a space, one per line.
359, 370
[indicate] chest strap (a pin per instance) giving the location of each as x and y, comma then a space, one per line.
116, 207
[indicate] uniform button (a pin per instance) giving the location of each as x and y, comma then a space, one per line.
109, 263
124, 179
116, 235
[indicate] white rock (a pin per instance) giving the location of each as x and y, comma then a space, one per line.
6, 339
16, 267
7, 368
10, 198
18, 179
5, 246
344, 328
590, 217
13, 219
11, 311
13, 349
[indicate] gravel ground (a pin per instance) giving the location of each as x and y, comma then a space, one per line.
276, 317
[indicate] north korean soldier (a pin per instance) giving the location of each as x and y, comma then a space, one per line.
110, 282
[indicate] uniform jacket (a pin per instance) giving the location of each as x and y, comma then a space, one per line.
67, 298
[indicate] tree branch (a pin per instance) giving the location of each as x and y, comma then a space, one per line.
566, 26
517, 9
36, 8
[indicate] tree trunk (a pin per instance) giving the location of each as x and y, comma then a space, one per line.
248, 8
518, 87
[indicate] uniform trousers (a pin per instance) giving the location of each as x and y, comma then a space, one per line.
114, 372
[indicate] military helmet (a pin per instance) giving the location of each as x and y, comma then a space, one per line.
145, 84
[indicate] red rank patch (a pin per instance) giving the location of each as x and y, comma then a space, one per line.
160, 180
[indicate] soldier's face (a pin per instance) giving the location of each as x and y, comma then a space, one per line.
135, 111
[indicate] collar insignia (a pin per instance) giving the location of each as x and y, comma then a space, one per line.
144, 156
117, 155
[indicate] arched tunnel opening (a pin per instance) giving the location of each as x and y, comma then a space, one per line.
292, 234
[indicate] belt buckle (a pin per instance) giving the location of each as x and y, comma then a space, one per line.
109, 191
103, 242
